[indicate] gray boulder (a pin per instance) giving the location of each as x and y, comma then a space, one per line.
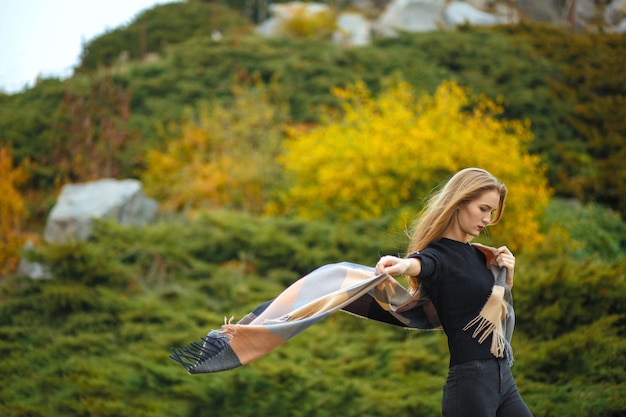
354, 30
410, 16
459, 13
78, 204
615, 12
33, 270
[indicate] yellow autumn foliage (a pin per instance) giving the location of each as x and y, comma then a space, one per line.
222, 156
309, 24
386, 154
12, 211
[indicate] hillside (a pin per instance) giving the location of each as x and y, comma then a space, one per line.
569, 87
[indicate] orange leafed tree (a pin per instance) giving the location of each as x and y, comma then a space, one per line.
12, 211
385, 154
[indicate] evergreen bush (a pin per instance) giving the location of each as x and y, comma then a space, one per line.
585, 230
99, 347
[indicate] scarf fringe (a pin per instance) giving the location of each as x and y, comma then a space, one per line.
483, 325
195, 353
484, 329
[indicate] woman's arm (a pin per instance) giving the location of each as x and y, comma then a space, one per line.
395, 266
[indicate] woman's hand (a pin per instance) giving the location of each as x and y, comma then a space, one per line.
395, 266
505, 259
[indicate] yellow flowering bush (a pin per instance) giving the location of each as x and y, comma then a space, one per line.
309, 24
387, 153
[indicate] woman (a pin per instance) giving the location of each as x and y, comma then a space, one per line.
455, 276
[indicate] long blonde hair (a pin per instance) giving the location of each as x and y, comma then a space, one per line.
439, 212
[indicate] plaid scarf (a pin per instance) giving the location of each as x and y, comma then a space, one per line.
352, 288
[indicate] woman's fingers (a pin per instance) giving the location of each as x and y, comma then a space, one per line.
390, 264
504, 258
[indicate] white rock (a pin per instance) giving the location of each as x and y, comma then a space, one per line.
410, 16
615, 12
460, 13
78, 204
354, 30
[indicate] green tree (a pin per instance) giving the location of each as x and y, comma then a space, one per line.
587, 92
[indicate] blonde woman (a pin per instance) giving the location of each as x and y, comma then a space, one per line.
454, 274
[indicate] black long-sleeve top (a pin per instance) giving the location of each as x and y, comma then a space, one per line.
455, 277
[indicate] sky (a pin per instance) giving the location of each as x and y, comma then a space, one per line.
45, 37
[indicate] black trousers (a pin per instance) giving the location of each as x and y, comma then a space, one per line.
482, 388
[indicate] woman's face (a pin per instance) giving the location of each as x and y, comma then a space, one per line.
474, 216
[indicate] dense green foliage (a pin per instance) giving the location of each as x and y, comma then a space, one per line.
94, 341
155, 29
586, 231
588, 104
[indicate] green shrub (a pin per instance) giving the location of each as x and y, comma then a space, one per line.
557, 295
85, 263
158, 28
100, 348
587, 87
585, 230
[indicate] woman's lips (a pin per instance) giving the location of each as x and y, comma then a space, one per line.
480, 228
